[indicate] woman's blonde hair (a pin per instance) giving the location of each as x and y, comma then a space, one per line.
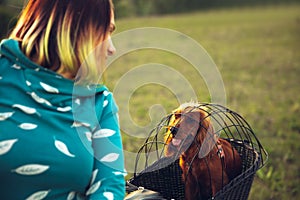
62, 35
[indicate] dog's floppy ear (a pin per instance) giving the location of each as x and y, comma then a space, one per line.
206, 136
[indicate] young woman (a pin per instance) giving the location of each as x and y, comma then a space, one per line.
59, 129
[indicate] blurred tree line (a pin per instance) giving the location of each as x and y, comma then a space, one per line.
9, 9
131, 8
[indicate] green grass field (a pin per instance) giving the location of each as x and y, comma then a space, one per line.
257, 51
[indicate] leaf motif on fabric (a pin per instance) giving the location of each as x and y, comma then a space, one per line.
6, 145
88, 136
105, 103
110, 157
102, 133
120, 173
28, 126
39, 99
25, 109
38, 195
94, 174
58, 76
106, 93
31, 169
77, 101
93, 188
64, 109
49, 88
79, 124
71, 195
62, 147
28, 83
15, 66
108, 195
5, 115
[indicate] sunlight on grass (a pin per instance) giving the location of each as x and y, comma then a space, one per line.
258, 54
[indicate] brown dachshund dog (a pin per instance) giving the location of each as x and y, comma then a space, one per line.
208, 162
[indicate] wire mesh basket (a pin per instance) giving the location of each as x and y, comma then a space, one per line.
158, 170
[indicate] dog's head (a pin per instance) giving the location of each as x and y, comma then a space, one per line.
189, 126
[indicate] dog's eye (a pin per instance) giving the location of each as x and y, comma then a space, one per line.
174, 130
177, 115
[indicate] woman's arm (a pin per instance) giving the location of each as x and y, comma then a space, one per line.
108, 180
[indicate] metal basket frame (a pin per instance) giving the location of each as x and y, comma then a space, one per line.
164, 175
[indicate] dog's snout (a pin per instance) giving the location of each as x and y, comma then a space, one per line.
174, 130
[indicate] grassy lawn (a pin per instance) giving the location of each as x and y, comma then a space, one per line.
257, 52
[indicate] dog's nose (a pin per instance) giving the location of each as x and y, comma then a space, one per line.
174, 130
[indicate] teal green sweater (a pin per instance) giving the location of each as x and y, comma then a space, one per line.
57, 140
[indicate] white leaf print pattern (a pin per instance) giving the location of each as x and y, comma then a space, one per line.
105, 103
49, 88
64, 109
79, 124
39, 99
28, 83
108, 195
6, 145
104, 133
95, 172
62, 147
25, 109
93, 188
31, 169
15, 66
120, 173
77, 101
71, 195
88, 136
6, 115
106, 93
28, 126
110, 157
38, 195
